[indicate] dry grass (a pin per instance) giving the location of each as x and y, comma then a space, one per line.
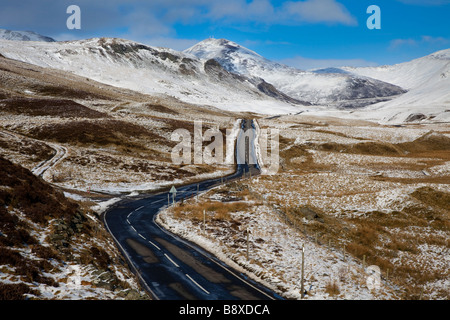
218, 211
61, 108
396, 238
332, 288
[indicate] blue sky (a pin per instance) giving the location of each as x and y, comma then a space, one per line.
302, 33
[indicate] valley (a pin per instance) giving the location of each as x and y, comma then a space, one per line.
363, 176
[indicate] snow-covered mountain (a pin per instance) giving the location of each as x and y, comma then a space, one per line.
427, 80
223, 74
314, 87
23, 36
412, 74
152, 70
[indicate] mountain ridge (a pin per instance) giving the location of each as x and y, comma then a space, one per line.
316, 88
225, 75
23, 36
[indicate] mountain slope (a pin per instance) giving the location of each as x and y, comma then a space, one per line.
152, 70
411, 74
427, 80
23, 36
317, 88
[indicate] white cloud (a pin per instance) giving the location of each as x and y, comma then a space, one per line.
157, 18
318, 11
423, 40
425, 2
309, 63
290, 12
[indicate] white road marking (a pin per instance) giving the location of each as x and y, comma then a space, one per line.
134, 229
128, 221
142, 236
196, 283
154, 245
171, 261
134, 211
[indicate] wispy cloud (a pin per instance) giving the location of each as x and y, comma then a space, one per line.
309, 63
415, 42
425, 2
290, 12
318, 11
159, 17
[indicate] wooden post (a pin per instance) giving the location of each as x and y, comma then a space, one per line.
248, 245
198, 187
204, 222
302, 287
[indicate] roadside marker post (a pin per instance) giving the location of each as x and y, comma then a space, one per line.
248, 244
204, 222
173, 191
302, 287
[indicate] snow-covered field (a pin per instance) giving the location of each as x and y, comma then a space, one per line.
275, 255
347, 192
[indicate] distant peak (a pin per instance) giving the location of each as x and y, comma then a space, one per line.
23, 36
213, 48
218, 43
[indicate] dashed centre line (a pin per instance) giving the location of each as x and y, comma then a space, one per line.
196, 283
173, 262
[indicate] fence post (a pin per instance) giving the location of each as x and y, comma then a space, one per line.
302, 287
204, 222
248, 245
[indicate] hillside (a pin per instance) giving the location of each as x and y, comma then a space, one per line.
151, 70
52, 249
427, 80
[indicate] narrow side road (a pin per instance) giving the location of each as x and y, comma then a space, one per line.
44, 166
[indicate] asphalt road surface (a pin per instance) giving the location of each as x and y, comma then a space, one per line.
171, 268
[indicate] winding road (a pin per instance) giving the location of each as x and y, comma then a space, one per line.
40, 169
171, 268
